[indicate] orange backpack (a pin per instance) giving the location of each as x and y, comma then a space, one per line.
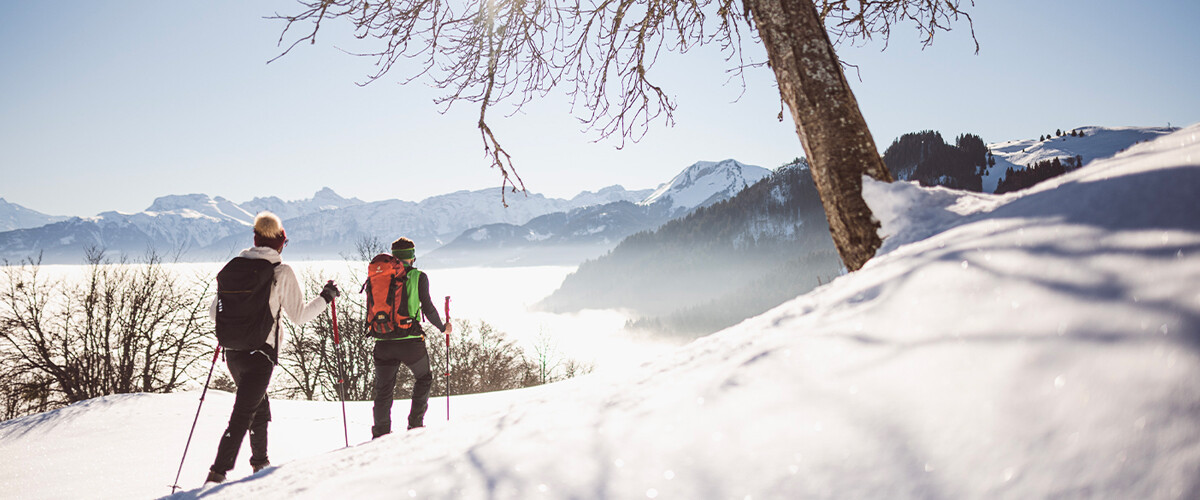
393, 302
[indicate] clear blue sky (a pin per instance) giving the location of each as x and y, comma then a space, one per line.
108, 105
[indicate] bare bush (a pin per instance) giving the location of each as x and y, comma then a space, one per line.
314, 364
483, 359
128, 327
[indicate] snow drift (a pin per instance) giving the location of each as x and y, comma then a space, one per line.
1036, 344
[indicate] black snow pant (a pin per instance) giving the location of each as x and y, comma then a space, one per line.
389, 354
251, 371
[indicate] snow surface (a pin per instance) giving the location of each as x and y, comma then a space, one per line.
1030, 345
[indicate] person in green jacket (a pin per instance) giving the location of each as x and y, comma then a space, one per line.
406, 345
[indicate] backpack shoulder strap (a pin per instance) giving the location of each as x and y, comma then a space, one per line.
278, 312
413, 292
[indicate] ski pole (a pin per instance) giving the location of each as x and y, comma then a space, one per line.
447, 358
175, 485
337, 348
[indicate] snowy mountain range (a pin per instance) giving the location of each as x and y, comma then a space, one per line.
466, 224
573, 236
195, 225
328, 225
433, 221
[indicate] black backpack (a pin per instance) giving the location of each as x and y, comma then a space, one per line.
244, 316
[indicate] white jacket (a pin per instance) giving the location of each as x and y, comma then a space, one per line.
285, 291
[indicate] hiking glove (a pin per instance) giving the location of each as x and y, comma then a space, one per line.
330, 292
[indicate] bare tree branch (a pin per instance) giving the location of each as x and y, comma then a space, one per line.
601, 54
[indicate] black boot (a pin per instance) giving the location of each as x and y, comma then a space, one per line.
215, 477
380, 430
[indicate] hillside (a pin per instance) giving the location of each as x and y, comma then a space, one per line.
1094, 143
1056, 357
716, 266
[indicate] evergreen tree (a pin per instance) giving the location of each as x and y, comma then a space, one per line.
1032, 174
926, 158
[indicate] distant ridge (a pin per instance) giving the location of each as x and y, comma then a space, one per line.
14, 216
327, 225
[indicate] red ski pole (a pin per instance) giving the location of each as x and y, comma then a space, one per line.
197, 419
447, 358
337, 347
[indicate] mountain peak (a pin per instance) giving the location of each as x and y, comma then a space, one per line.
174, 202
327, 194
706, 182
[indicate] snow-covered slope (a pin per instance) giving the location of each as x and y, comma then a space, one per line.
1095, 143
705, 183
14, 216
1040, 344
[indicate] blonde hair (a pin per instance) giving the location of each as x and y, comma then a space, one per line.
268, 225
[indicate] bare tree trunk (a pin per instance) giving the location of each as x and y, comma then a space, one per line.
832, 130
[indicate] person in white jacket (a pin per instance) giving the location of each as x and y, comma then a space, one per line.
251, 369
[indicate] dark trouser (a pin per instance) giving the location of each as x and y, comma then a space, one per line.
251, 372
389, 354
